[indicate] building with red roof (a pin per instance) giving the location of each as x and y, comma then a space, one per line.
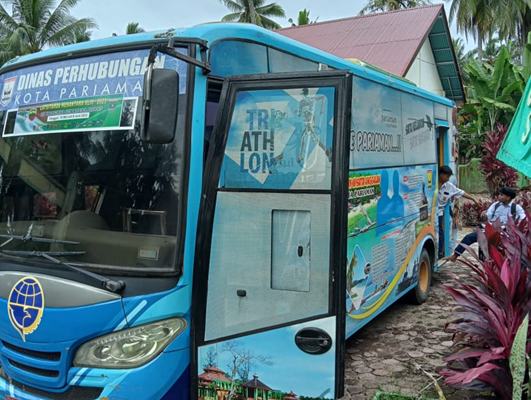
213, 384
413, 43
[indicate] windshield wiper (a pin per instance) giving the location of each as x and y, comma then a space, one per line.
106, 283
28, 238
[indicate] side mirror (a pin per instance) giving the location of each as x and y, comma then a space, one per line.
158, 120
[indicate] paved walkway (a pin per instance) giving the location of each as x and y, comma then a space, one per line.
398, 350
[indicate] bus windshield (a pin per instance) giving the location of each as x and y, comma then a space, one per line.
76, 181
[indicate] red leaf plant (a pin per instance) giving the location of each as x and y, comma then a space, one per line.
524, 199
475, 214
497, 174
491, 310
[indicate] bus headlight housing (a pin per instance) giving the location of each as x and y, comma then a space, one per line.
129, 348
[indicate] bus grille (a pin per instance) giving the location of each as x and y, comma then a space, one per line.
50, 356
73, 393
34, 367
32, 370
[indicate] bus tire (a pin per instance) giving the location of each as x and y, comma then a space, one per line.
419, 294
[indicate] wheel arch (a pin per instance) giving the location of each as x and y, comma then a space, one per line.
429, 245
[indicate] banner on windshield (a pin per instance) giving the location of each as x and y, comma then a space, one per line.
94, 113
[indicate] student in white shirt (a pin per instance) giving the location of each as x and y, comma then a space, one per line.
503, 209
447, 191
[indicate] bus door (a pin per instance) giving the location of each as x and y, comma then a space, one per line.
445, 156
269, 284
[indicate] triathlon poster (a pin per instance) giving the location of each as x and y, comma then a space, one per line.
280, 139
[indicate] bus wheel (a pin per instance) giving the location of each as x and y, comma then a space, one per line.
419, 293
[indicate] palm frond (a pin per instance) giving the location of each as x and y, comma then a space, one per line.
269, 23
231, 17
232, 5
69, 32
271, 10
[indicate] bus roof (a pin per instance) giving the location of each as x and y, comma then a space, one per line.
215, 31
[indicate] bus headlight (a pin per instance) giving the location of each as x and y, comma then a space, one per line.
129, 348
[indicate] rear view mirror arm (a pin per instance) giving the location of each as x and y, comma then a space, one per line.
162, 48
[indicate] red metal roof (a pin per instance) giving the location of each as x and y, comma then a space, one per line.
389, 40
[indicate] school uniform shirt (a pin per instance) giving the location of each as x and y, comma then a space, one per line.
446, 192
503, 212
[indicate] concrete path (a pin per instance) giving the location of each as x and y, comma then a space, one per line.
397, 350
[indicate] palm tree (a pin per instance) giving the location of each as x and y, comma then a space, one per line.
133, 27
350, 271
475, 17
254, 12
303, 19
82, 36
513, 19
482, 18
34, 25
391, 5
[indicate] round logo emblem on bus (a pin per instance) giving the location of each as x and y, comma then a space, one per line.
25, 305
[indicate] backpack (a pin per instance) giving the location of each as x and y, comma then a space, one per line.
513, 209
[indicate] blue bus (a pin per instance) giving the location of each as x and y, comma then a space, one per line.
206, 213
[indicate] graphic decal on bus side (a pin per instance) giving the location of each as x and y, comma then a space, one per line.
390, 127
280, 139
46, 98
390, 214
267, 365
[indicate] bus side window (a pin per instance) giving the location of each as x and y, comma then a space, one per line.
237, 57
280, 61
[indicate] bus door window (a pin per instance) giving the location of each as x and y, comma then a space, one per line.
212, 103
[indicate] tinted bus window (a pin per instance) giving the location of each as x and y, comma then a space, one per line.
236, 57
283, 62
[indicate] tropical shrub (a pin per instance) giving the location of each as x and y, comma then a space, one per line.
493, 93
473, 214
524, 199
491, 311
497, 174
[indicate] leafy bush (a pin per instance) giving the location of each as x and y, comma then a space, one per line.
497, 174
491, 312
493, 95
524, 199
473, 214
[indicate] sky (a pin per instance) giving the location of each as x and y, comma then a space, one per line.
112, 16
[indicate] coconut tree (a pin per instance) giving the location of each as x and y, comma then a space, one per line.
303, 19
33, 25
82, 36
513, 19
391, 5
254, 12
475, 17
132, 28
482, 18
